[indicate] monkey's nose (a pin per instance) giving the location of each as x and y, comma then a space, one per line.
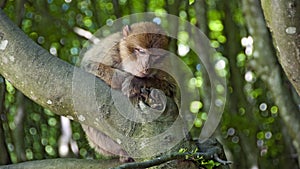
146, 70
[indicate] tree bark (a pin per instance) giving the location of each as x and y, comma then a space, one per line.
283, 20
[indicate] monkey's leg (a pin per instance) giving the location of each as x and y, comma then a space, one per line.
104, 144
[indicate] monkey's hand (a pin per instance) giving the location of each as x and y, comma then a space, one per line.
136, 89
157, 99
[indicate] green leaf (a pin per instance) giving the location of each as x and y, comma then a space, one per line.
191, 2
182, 150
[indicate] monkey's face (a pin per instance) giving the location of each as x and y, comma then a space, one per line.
140, 61
140, 53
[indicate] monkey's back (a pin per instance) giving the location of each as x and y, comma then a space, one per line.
101, 53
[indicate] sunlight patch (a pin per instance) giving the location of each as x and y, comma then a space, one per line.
3, 44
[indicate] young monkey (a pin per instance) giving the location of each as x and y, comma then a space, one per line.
127, 66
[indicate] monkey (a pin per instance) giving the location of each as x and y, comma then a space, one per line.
132, 53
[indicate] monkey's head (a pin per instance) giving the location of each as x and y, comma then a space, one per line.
142, 46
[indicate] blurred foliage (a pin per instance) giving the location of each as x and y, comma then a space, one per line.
50, 23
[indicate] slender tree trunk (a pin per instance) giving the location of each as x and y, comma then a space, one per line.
237, 99
4, 155
18, 132
266, 66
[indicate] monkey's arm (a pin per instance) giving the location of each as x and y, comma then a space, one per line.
138, 89
111, 76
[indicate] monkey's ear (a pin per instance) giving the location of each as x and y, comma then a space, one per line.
126, 30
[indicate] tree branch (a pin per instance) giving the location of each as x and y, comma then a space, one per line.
197, 156
66, 163
209, 150
49, 81
69, 91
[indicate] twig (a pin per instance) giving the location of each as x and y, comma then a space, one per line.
175, 156
223, 162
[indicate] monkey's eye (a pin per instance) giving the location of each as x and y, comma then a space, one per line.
139, 50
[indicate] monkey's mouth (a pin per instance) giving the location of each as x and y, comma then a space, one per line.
142, 74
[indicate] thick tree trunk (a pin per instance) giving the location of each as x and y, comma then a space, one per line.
283, 20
